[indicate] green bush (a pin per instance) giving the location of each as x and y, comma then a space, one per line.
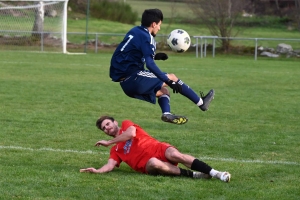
104, 9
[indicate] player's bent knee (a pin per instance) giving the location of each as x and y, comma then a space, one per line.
162, 91
152, 163
173, 154
152, 166
165, 90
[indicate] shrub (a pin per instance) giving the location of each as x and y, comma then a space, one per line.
104, 9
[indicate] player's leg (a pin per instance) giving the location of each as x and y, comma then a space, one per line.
157, 167
164, 103
201, 101
174, 156
147, 87
142, 86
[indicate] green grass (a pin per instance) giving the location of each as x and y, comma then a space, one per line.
49, 104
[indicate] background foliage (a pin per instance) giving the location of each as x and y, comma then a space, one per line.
105, 9
221, 18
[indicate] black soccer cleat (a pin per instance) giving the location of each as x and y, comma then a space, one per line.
206, 99
174, 119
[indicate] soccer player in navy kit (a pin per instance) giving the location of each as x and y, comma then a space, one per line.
127, 67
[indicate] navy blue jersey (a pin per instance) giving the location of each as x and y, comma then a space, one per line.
137, 49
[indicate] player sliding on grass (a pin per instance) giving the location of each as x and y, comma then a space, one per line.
145, 154
127, 67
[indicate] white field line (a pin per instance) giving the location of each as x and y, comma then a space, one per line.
106, 153
39, 63
50, 149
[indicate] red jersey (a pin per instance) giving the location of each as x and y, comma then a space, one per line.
137, 151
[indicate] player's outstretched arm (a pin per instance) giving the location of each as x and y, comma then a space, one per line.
150, 64
105, 168
126, 135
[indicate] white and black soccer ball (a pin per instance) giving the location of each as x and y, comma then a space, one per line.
179, 40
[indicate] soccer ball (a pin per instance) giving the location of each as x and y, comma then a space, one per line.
179, 40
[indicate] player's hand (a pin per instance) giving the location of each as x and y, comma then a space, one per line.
160, 56
91, 170
177, 88
103, 143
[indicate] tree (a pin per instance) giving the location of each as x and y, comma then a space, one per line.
38, 25
219, 16
297, 14
278, 10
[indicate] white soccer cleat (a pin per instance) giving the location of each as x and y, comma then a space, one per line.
201, 175
225, 176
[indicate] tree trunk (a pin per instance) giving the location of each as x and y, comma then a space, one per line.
278, 10
38, 26
297, 13
219, 16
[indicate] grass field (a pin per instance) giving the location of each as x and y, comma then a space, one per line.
49, 104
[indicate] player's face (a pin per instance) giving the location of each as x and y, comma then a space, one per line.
109, 127
155, 28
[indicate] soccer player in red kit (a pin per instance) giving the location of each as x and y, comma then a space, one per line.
145, 154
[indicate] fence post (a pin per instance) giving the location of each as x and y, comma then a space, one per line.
196, 47
205, 44
96, 43
214, 46
42, 41
201, 50
255, 54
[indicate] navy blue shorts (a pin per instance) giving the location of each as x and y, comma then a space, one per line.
142, 85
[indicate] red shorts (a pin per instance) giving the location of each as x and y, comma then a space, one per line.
156, 152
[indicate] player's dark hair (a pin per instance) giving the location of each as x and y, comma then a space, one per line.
101, 119
151, 15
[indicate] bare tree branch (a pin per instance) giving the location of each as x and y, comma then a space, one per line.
219, 16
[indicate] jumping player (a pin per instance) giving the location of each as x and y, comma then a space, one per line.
127, 67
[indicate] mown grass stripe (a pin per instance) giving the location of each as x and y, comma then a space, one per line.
106, 153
